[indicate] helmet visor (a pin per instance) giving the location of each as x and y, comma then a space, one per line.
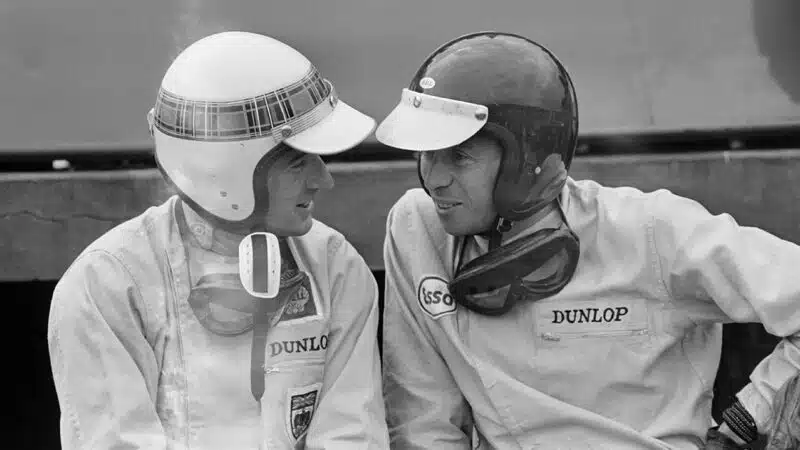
342, 129
422, 122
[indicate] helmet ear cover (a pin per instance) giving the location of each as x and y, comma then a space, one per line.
524, 183
254, 222
510, 175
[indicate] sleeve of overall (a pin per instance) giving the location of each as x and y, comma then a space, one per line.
725, 272
351, 414
104, 369
424, 407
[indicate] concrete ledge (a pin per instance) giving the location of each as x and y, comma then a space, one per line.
46, 219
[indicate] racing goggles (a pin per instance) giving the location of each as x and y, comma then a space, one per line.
222, 305
530, 268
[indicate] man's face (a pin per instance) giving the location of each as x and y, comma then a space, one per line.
293, 181
461, 181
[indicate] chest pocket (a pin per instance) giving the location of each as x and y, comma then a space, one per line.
577, 337
574, 359
293, 376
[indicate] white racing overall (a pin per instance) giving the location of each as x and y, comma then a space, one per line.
624, 357
134, 368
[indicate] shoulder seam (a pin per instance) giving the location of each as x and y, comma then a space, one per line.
128, 272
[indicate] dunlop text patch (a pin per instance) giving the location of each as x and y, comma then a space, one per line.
600, 317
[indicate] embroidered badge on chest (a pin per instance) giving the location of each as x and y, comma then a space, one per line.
301, 303
434, 297
301, 410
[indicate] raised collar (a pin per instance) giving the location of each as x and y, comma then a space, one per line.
209, 237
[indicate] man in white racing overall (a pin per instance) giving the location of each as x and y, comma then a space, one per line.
155, 344
525, 309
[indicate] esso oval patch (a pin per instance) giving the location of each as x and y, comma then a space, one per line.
434, 297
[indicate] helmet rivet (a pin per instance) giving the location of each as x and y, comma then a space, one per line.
235, 206
480, 115
417, 101
286, 131
537, 170
223, 194
427, 83
332, 100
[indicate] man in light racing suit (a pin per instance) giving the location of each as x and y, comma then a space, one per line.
525, 309
154, 343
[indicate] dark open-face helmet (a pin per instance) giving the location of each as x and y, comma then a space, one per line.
502, 84
516, 91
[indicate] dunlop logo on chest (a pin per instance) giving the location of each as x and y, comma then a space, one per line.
587, 318
590, 315
307, 344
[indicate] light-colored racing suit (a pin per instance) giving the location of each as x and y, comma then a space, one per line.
134, 368
624, 357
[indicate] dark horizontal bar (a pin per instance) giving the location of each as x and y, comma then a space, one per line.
110, 157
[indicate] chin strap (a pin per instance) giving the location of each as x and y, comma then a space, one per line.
501, 225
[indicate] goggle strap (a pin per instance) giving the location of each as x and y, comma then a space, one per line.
501, 225
264, 320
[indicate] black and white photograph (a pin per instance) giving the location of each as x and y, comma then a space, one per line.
401, 225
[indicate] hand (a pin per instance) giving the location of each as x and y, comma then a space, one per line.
785, 421
725, 430
717, 440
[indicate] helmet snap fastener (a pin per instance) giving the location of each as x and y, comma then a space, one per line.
286, 131
480, 115
537, 170
427, 83
417, 102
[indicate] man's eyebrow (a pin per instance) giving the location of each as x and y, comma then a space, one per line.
465, 147
458, 147
296, 156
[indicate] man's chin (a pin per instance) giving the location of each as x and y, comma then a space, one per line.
458, 228
454, 228
288, 230
305, 228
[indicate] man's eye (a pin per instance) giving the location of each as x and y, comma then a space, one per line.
462, 156
298, 163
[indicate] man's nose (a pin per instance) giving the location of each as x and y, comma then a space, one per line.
320, 177
435, 173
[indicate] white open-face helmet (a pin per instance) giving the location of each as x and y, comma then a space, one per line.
226, 103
